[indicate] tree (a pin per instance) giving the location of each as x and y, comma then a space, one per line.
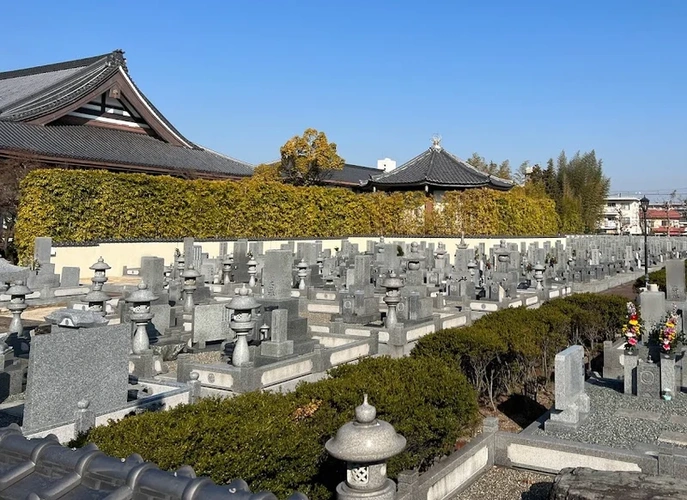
12, 171
308, 159
501, 170
268, 172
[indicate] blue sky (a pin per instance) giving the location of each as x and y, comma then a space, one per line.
518, 80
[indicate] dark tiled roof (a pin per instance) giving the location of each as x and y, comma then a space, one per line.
437, 167
350, 174
30, 93
41, 468
98, 144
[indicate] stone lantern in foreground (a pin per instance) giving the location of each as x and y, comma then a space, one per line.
242, 323
393, 285
17, 292
140, 315
190, 276
366, 445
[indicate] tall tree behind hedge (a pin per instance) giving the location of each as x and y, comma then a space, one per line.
306, 159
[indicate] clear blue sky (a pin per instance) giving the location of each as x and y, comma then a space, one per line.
508, 79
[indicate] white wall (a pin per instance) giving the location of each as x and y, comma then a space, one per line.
118, 255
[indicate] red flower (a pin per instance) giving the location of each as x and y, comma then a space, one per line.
632, 341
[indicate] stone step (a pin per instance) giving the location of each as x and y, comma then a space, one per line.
638, 414
677, 438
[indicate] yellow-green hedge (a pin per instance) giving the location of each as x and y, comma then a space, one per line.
87, 205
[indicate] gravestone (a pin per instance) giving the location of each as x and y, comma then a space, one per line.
572, 403
652, 303
71, 364
648, 380
278, 346
277, 274
675, 280
210, 323
70, 276
152, 273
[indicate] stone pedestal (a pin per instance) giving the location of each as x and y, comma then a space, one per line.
668, 379
630, 374
142, 365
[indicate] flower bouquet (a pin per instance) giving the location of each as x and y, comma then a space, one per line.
668, 337
632, 329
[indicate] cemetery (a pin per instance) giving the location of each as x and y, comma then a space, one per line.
171, 330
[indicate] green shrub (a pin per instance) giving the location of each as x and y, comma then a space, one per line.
87, 205
506, 350
276, 441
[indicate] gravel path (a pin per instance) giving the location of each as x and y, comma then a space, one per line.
509, 484
605, 426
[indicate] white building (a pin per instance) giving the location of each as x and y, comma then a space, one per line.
621, 215
387, 164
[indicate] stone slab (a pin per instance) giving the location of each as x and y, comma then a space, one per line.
71, 364
638, 414
677, 438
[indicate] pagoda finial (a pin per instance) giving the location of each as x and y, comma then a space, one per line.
436, 142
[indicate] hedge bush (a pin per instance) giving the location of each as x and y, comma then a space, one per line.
505, 351
87, 205
276, 441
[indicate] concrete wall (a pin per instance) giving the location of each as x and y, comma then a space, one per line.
119, 255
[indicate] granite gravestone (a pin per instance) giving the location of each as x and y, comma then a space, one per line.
152, 273
648, 380
68, 365
70, 276
210, 323
278, 346
277, 274
572, 403
675, 280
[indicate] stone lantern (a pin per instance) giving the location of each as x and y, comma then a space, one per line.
181, 263
440, 252
190, 276
366, 445
302, 274
96, 301
539, 275
140, 315
393, 285
242, 323
17, 292
414, 257
252, 271
99, 270
320, 264
167, 277
227, 268
265, 332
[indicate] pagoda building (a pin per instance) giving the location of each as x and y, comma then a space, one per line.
435, 171
89, 113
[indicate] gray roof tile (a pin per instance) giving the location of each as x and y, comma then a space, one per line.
114, 146
437, 167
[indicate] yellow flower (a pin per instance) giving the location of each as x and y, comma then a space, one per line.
670, 325
634, 322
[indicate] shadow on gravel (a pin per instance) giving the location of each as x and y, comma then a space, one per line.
521, 409
616, 385
538, 491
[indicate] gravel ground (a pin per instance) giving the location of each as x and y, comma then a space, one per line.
509, 484
200, 357
604, 427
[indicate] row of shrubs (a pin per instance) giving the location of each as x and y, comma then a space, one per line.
88, 205
513, 349
276, 441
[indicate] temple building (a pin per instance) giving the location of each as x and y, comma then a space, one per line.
435, 171
89, 113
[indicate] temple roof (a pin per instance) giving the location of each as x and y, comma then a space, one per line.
90, 110
437, 168
349, 175
102, 147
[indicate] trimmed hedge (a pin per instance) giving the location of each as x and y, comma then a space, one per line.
276, 441
88, 205
508, 350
